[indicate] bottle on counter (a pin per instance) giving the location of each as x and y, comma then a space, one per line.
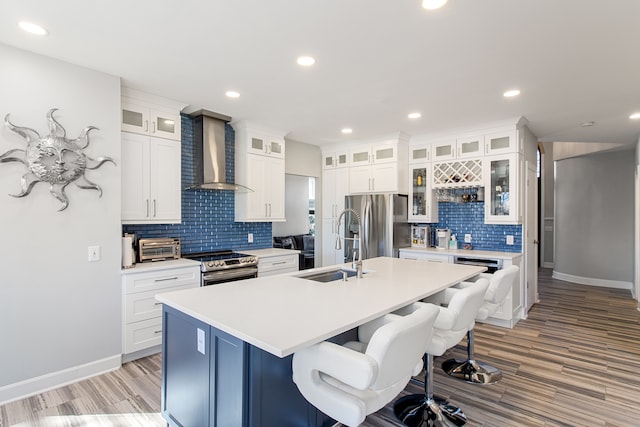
453, 243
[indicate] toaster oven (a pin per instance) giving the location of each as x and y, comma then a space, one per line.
159, 249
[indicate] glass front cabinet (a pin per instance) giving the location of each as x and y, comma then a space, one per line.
423, 206
501, 189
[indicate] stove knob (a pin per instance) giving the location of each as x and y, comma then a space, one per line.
253, 259
242, 260
219, 264
210, 264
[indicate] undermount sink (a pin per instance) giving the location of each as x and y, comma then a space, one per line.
328, 276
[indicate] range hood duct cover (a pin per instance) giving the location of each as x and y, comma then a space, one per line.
209, 153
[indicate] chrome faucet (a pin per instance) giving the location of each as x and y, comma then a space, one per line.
357, 265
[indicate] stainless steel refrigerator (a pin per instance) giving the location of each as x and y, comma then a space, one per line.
384, 225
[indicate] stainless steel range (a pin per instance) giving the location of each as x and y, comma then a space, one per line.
224, 266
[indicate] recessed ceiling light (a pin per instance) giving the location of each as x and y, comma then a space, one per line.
232, 94
306, 61
433, 4
32, 28
347, 130
414, 115
511, 93
635, 116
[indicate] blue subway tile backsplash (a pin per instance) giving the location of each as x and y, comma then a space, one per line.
468, 218
207, 215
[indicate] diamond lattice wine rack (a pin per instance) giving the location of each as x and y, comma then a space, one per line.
458, 173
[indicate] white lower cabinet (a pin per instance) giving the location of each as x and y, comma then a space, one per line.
511, 309
277, 264
425, 256
141, 313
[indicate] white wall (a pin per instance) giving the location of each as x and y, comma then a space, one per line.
303, 159
594, 214
60, 314
637, 225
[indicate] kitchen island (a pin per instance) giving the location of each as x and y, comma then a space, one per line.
227, 348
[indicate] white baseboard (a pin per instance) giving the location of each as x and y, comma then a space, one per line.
615, 284
547, 265
26, 388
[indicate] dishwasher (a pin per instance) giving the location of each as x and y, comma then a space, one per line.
492, 264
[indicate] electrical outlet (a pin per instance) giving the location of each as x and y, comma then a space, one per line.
250, 237
94, 253
467, 238
509, 240
201, 341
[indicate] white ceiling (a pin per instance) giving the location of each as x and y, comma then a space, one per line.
376, 61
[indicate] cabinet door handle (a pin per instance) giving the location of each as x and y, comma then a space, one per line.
269, 210
157, 303
155, 208
266, 212
157, 332
146, 125
373, 184
166, 279
153, 127
147, 215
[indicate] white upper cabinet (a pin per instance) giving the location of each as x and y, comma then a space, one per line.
338, 159
501, 176
265, 145
151, 181
147, 114
151, 154
259, 165
443, 150
460, 148
420, 153
378, 168
423, 206
472, 146
501, 142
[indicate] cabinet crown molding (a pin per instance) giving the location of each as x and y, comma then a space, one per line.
149, 98
241, 125
485, 128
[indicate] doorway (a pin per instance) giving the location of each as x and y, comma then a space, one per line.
300, 201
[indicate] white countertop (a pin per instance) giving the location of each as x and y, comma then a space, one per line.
465, 252
268, 252
282, 314
145, 267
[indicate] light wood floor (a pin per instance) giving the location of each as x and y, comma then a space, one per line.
575, 361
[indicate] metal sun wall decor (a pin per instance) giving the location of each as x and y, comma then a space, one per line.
54, 159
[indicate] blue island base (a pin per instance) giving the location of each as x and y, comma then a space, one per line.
210, 378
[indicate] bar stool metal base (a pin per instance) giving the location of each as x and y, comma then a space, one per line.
416, 410
471, 371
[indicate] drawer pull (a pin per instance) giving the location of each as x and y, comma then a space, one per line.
167, 279
157, 332
279, 263
157, 303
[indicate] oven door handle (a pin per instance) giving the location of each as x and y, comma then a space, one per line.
223, 275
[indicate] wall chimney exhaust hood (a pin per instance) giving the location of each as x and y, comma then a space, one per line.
209, 160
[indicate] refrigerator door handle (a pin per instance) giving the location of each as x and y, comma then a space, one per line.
366, 225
